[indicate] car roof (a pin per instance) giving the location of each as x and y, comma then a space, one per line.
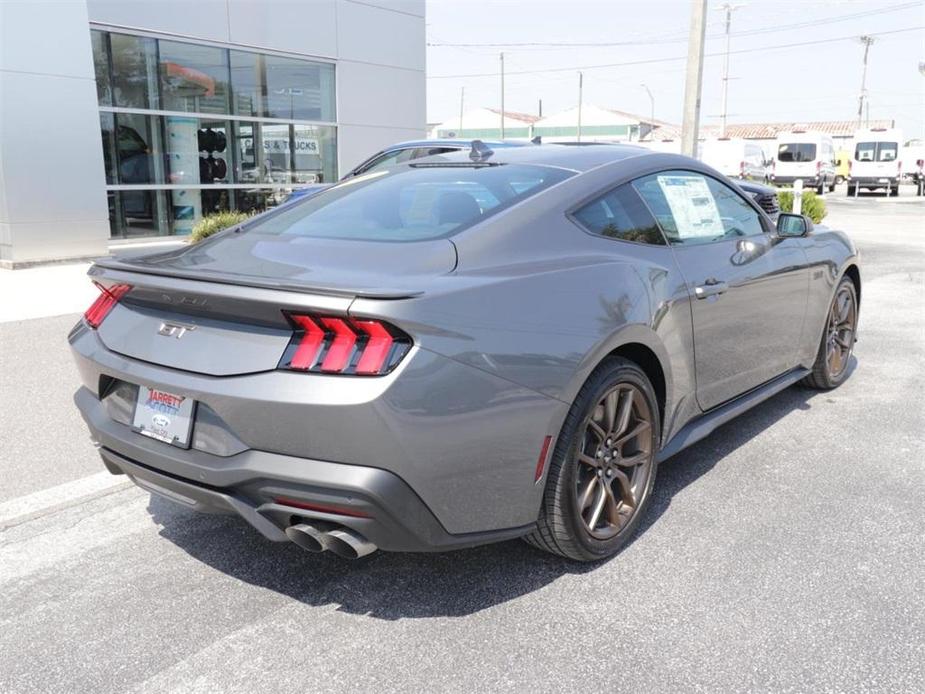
563, 156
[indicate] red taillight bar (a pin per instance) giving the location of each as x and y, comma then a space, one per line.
337, 345
104, 303
341, 348
306, 352
377, 349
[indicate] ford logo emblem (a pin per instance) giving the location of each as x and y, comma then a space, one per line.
161, 421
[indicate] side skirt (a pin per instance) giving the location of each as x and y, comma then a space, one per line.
706, 423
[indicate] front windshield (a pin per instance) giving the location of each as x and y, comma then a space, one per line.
412, 203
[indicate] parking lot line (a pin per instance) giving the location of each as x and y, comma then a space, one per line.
24, 508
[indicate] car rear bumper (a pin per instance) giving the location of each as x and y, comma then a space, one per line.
790, 180
375, 503
873, 181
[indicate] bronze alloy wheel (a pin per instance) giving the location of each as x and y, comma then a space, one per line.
840, 332
615, 461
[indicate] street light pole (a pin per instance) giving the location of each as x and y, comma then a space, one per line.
651, 109
693, 82
728, 9
581, 78
502, 96
867, 41
462, 98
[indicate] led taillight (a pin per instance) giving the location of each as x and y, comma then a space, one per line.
337, 345
105, 302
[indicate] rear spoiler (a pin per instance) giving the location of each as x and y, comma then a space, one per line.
213, 283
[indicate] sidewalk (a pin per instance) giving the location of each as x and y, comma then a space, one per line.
54, 290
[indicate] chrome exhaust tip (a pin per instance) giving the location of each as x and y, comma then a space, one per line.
308, 537
348, 544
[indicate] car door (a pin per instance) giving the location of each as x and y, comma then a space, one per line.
748, 288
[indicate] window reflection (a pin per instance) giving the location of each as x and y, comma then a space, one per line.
193, 78
134, 74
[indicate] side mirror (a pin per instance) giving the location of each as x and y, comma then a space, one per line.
792, 225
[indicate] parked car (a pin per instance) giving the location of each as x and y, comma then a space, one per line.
470, 347
402, 152
736, 158
808, 156
415, 149
877, 161
765, 196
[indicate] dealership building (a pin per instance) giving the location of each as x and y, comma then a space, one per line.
128, 120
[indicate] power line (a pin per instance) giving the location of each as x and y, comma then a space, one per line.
678, 38
650, 61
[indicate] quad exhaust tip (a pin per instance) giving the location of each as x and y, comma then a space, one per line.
321, 536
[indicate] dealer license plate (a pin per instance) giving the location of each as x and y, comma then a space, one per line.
164, 416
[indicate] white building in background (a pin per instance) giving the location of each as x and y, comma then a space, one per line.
123, 120
485, 124
601, 124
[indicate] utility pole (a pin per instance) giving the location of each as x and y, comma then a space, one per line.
866, 40
728, 9
690, 127
651, 110
502, 96
462, 99
540, 109
581, 78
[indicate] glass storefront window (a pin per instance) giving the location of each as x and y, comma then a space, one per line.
275, 87
134, 73
99, 41
108, 130
135, 149
193, 78
298, 90
136, 213
187, 165
188, 205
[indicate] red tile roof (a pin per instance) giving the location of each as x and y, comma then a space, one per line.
768, 131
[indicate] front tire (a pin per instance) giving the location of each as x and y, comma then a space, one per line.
603, 466
831, 366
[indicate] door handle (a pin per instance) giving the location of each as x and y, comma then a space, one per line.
710, 287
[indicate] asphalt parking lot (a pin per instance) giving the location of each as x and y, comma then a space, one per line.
786, 552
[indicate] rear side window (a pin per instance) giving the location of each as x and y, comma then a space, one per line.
620, 214
796, 152
876, 151
411, 203
692, 208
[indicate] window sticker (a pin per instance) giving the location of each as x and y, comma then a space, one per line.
692, 206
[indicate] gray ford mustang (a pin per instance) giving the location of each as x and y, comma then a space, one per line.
462, 349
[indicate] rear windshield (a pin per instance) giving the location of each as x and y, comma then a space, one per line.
876, 151
412, 203
796, 151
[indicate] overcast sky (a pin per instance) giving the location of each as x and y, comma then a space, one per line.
818, 81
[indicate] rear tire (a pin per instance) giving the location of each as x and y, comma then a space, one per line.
833, 358
603, 466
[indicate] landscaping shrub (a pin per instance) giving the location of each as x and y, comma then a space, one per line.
813, 205
213, 223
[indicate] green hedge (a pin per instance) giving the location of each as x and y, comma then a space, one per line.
813, 205
213, 223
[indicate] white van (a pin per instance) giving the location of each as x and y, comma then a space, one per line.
876, 162
809, 156
735, 158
